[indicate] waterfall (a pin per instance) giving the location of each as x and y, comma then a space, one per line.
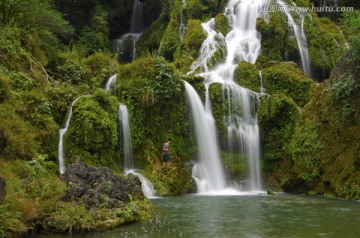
137, 17
110, 83
146, 186
243, 42
61, 135
299, 35
209, 174
136, 28
126, 136
182, 27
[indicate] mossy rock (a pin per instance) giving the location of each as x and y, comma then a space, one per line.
277, 119
247, 75
93, 131
222, 24
193, 38
287, 79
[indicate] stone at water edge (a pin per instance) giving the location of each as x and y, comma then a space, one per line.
90, 185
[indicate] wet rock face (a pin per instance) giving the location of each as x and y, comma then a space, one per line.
99, 186
2, 189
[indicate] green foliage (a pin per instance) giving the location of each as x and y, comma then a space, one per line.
285, 78
307, 150
166, 82
351, 22
247, 75
12, 55
277, 117
346, 90
93, 132
71, 72
4, 88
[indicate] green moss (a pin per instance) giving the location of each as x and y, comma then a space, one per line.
287, 79
4, 87
275, 36
326, 43
247, 75
277, 117
193, 38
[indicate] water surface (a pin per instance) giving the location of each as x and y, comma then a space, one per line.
289, 216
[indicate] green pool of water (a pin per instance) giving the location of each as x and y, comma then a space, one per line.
289, 216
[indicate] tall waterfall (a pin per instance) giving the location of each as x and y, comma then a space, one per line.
299, 33
243, 42
61, 135
126, 137
209, 174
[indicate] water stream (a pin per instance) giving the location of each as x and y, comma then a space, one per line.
61, 135
299, 32
125, 136
110, 84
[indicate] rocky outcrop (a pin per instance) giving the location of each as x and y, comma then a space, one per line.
99, 186
2, 189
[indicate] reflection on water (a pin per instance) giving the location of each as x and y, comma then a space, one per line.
278, 216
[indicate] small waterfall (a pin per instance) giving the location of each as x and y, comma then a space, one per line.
126, 137
299, 35
241, 43
136, 27
126, 41
262, 91
109, 86
137, 17
61, 135
146, 186
182, 27
209, 174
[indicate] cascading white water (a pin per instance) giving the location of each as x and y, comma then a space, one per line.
110, 83
299, 33
209, 174
61, 135
146, 186
243, 42
126, 137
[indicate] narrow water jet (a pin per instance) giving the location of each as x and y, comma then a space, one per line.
146, 186
61, 135
125, 135
299, 33
109, 86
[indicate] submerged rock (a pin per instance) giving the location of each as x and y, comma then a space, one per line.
99, 186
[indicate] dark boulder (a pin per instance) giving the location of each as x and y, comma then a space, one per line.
2, 189
99, 186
